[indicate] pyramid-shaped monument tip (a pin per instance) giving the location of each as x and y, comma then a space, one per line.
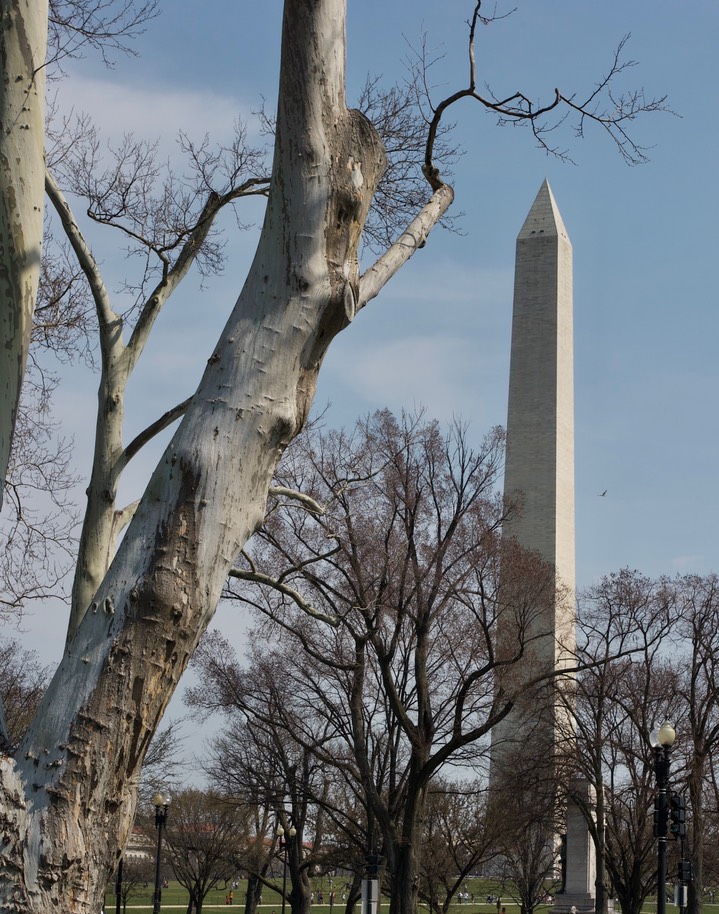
544, 217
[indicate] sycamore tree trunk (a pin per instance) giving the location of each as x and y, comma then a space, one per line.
68, 794
23, 42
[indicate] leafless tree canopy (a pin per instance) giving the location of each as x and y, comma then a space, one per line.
39, 517
203, 834
648, 649
380, 557
23, 681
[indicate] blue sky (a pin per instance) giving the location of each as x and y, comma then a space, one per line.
644, 238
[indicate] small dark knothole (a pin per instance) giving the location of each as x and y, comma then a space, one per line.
137, 689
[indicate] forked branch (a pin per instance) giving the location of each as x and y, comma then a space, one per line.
611, 111
258, 578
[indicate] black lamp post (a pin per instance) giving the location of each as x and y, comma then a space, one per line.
118, 888
662, 741
160, 802
284, 845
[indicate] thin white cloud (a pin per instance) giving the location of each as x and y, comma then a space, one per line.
439, 374
685, 563
446, 282
399, 355
150, 112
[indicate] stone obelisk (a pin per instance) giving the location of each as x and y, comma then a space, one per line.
539, 481
539, 466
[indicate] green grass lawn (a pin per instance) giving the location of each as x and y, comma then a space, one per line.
174, 896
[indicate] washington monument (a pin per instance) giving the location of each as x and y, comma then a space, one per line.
539, 477
539, 469
540, 418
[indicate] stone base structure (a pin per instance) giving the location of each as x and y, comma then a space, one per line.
581, 867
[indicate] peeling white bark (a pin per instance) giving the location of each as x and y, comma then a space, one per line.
23, 41
73, 781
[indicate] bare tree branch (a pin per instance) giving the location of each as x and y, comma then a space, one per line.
37, 532
159, 425
107, 318
612, 112
105, 26
410, 241
309, 503
268, 580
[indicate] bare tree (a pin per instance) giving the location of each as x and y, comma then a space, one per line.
69, 791
385, 570
623, 631
528, 864
622, 626
696, 667
37, 531
137, 873
38, 526
171, 229
457, 839
630, 844
267, 767
648, 652
36, 34
23, 681
202, 834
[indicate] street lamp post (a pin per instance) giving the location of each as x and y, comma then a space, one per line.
118, 888
284, 844
662, 741
160, 802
